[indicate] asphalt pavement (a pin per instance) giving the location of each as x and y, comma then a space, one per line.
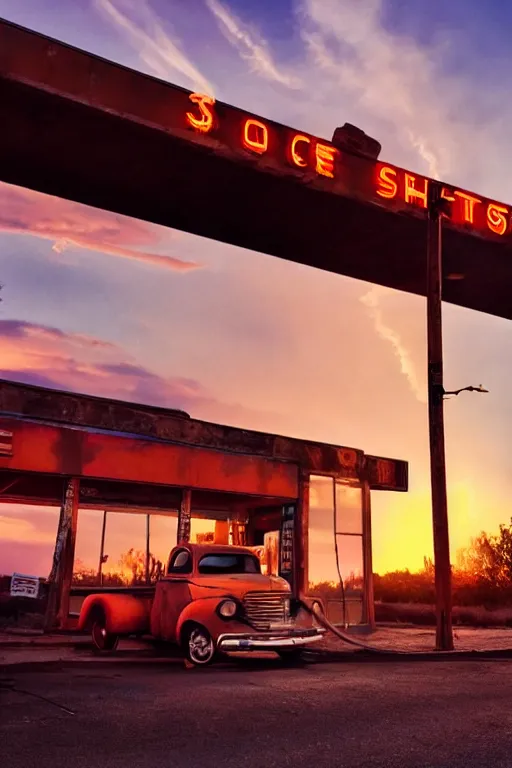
258, 715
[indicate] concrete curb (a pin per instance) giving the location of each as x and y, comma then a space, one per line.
358, 656
57, 665
389, 655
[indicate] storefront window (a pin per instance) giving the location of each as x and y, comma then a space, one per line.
27, 539
124, 553
163, 535
86, 568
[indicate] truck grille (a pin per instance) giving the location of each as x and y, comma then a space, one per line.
265, 608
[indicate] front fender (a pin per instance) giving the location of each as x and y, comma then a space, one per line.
204, 612
124, 614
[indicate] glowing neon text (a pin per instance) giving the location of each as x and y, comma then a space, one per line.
206, 121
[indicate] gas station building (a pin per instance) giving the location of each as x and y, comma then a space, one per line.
304, 506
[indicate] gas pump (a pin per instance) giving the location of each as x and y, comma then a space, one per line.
287, 545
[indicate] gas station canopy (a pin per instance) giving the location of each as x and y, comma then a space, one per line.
85, 129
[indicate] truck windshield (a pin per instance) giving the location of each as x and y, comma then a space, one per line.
225, 563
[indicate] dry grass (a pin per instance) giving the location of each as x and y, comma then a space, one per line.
424, 615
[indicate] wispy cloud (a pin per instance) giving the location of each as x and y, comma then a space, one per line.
146, 33
251, 46
389, 76
427, 116
407, 367
68, 224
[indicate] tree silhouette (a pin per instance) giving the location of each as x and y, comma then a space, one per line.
131, 571
488, 559
134, 561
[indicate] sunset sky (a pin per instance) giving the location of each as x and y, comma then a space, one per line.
98, 303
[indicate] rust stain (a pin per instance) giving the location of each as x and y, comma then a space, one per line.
73, 451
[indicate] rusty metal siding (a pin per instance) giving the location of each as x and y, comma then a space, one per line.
79, 453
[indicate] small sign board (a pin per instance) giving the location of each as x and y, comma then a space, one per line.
387, 474
24, 586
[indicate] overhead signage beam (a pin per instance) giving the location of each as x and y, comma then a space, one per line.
83, 128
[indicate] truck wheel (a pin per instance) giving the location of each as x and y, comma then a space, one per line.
102, 640
199, 646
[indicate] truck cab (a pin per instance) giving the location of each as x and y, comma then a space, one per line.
212, 599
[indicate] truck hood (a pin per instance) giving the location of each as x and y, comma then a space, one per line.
237, 585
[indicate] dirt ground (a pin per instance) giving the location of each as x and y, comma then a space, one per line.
422, 639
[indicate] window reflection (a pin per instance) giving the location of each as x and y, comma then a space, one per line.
163, 536
350, 557
210, 526
27, 538
202, 531
124, 553
86, 570
349, 508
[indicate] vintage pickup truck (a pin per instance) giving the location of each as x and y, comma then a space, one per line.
212, 599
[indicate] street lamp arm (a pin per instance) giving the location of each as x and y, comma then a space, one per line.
465, 389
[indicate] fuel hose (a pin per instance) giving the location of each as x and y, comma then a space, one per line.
320, 617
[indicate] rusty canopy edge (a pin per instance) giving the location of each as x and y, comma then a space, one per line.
30, 404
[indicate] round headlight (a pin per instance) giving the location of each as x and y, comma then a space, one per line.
227, 609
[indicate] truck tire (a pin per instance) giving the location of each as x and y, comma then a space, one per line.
102, 640
198, 645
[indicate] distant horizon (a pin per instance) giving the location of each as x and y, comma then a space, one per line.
87, 551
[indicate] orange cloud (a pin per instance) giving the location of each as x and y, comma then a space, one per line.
69, 224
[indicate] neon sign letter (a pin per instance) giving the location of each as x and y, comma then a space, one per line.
325, 155
387, 183
411, 193
255, 136
497, 220
447, 195
469, 205
205, 123
296, 158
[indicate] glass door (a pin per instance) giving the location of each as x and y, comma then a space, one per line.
335, 548
348, 503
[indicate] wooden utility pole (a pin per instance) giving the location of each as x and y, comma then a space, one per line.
443, 575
